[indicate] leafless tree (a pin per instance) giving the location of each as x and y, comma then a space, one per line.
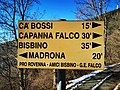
90, 9
98, 10
11, 12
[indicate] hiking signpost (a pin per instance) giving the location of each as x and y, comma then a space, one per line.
61, 44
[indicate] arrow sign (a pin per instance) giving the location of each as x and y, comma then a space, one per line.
95, 35
24, 55
95, 45
95, 24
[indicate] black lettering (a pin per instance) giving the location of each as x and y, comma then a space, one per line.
30, 35
26, 26
20, 45
43, 25
64, 35
63, 55
68, 64
83, 65
32, 45
22, 63
57, 34
94, 65
77, 35
25, 36
38, 25
37, 64
36, 55
71, 35
21, 35
42, 55
49, 25
26, 45
47, 55
32, 25
31, 54
54, 64
36, 35
21, 25
61, 36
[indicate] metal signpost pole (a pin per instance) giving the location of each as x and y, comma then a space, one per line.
61, 82
61, 75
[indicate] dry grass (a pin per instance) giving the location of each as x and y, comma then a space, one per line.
44, 80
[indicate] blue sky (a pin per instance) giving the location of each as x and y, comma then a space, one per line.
57, 9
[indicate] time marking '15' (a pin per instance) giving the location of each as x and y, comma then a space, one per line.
86, 25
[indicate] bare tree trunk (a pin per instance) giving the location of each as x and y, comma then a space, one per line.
105, 27
11, 88
54, 79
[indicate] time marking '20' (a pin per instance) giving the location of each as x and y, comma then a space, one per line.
97, 56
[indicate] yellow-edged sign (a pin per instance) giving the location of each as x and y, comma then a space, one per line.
61, 44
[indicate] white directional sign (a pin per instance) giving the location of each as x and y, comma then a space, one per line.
61, 44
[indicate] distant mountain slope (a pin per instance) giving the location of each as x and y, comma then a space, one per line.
113, 37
